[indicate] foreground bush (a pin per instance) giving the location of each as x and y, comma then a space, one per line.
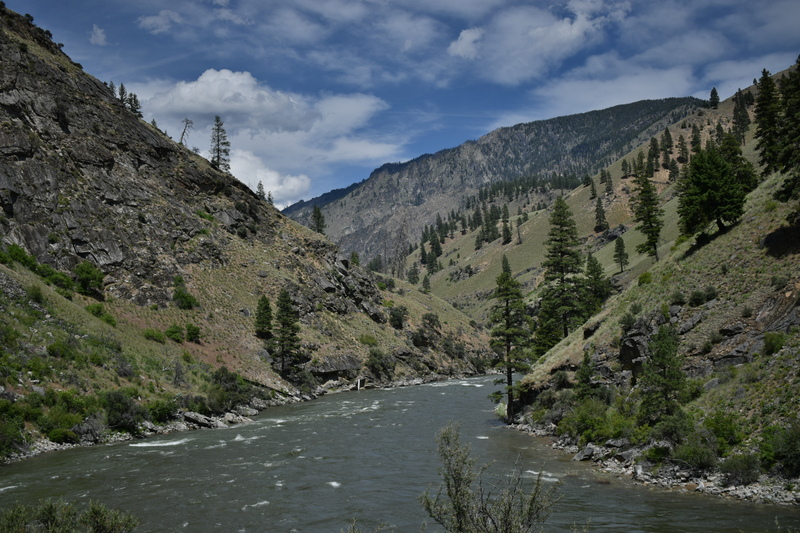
62, 517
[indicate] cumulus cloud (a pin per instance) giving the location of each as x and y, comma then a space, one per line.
98, 36
466, 45
250, 169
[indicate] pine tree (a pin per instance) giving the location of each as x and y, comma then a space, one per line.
593, 191
609, 183
355, 259
789, 130
768, 114
649, 216
683, 151
426, 284
662, 381
264, 318
260, 192
620, 255
509, 334
666, 148
317, 220
413, 274
597, 285
625, 168
741, 118
507, 236
600, 222
710, 194
287, 333
714, 98
220, 146
696, 140
560, 309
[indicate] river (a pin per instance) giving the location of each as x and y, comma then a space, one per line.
367, 455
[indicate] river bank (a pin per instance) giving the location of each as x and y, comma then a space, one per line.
618, 459
191, 421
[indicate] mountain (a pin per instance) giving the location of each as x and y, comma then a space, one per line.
388, 210
91, 193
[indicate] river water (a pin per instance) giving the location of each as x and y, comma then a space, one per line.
368, 455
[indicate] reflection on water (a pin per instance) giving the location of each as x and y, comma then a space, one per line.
366, 455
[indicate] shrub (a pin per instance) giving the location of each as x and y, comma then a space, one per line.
397, 316
57, 516
368, 340
677, 298
695, 455
588, 421
192, 333
35, 293
379, 364
63, 436
175, 332
155, 335
741, 469
431, 320
62, 350
773, 342
162, 410
99, 311
645, 278
626, 322
697, 298
184, 300
89, 278
710, 293
787, 449
122, 412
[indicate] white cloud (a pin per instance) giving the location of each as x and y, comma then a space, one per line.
250, 170
160, 23
98, 36
465, 46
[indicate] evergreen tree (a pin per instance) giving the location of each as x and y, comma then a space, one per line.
600, 222
625, 168
355, 259
649, 216
696, 141
426, 284
789, 130
264, 318
560, 309
666, 147
768, 114
436, 246
609, 183
123, 94
714, 98
317, 220
662, 381
653, 157
287, 333
597, 285
710, 194
620, 255
260, 192
593, 191
270, 200
741, 118
413, 274
674, 170
509, 333
683, 150
220, 146
507, 236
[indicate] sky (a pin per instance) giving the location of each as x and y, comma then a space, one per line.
315, 94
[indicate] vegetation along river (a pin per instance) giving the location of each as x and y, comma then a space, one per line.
368, 455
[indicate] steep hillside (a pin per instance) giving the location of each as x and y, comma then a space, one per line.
388, 210
83, 181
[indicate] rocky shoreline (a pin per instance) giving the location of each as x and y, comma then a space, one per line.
622, 461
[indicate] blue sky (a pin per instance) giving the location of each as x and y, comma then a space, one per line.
315, 94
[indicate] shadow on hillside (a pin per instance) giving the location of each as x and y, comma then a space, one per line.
783, 241
700, 241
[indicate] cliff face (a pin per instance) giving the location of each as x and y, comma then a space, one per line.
398, 199
83, 178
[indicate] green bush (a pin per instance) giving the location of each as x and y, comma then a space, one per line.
18, 254
12, 424
431, 320
35, 293
379, 364
122, 412
192, 333
99, 311
63, 436
726, 428
155, 335
175, 332
741, 469
397, 316
89, 278
645, 278
697, 298
162, 410
62, 350
60, 516
588, 421
787, 449
368, 340
696, 455
677, 298
773, 342
181, 296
